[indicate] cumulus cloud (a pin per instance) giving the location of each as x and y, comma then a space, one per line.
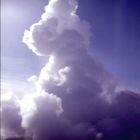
71, 74
10, 117
48, 35
75, 97
44, 102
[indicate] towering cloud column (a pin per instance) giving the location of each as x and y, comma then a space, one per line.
72, 75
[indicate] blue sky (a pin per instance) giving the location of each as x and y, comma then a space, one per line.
115, 40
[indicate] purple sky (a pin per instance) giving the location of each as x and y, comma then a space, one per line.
115, 41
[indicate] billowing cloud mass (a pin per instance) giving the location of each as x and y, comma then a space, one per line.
10, 118
75, 97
